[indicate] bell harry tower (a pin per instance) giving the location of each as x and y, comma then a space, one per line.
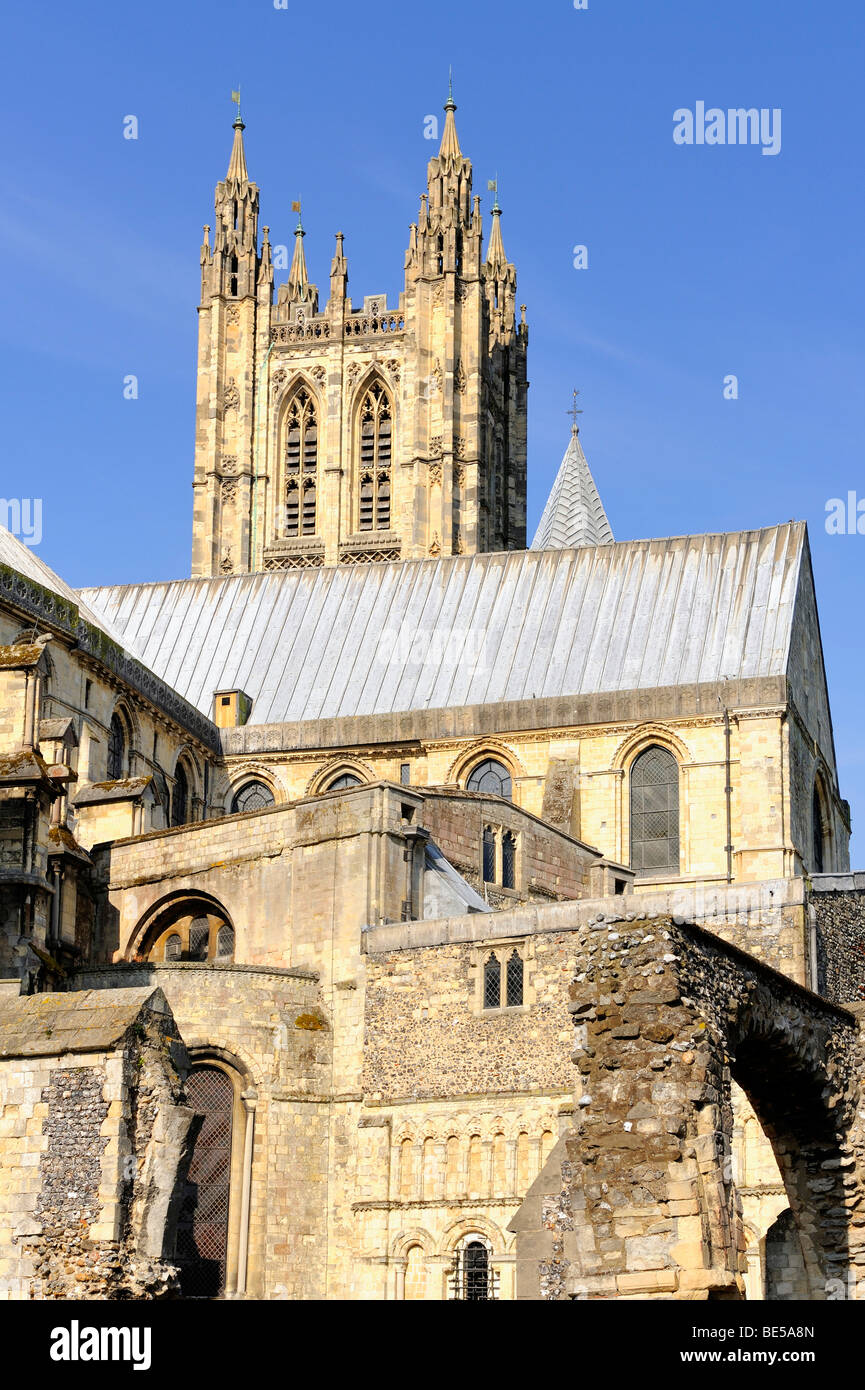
352, 434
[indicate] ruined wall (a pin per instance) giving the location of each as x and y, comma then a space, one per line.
93, 1136
837, 903
639, 1199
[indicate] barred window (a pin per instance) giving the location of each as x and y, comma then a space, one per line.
254, 796
655, 812
514, 980
301, 462
173, 947
492, 983
376, 449
490, 776
473, 1278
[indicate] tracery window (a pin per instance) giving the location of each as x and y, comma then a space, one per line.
376, 450
254, 796
301, 465
503, 979
116, 749
655, 812
490, 776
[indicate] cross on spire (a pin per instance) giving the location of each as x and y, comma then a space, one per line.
574, 412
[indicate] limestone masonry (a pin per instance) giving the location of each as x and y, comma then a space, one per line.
388, 911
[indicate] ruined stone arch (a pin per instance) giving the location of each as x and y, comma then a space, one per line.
334, 769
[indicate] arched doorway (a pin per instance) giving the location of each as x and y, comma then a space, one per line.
202, 1228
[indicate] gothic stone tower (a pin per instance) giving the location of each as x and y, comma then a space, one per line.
363, 433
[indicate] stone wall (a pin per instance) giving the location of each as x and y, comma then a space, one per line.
837, 904
93, 1138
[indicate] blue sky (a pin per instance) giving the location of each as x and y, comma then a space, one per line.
703, 261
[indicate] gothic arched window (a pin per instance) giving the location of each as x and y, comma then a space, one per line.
514, 980
490, 776
817, 838
489, 854
254, 796
509, 860
475, 1272
180, 799
655, 812
301, 464
376, 452
116, 749
347, 779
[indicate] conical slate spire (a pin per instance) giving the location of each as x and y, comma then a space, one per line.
574, 514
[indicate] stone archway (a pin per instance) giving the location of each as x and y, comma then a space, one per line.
639, 1199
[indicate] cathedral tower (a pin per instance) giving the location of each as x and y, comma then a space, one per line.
359, 433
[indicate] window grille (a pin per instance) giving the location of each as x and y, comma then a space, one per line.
514, 980
472, 1277
252, 797
492, 983
491, 776
489, 855
173, 947
199, 938
655, 812
225, 941
509, 860
202, 1227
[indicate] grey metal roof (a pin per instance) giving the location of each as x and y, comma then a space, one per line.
574, 514
21, 558
465, 630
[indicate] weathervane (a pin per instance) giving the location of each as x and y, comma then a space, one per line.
235, 97
574, 413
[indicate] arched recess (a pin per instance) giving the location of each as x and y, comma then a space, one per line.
198, 920
215, 1199
121, 742
186, 790
297, 496
373, 450
822, 856
335, 771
